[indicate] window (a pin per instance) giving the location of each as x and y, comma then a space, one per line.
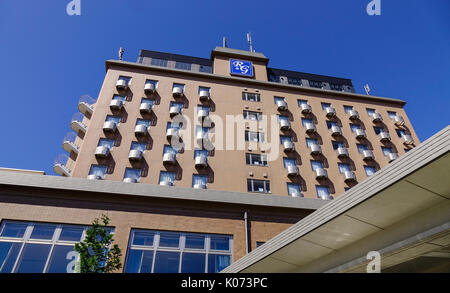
348, 108
143, 122
126, 78
204, 88
392, 114
178, 85
159, 62
251, 97
139, 146
132, 174
170, 150
260, 186
203, 131
311, 141
289, 162
301, 102
172, 125
278, 99
362, 147
369, 170
254, 136
325, 105
109, 143
119, 98
316, 84
167, 177
198, 153
323, 192
354, 127
251, 115
154, 82
336, 87
115, 119
183, 65
204, 68
378, 130
344, 167
293, 188
331, 124
316, 165
158, 252
148, 101
282, 117
284, 138
274, 78
203, 108
370, 111
400, 132
27, 247
98, 170
295, 81
178, 105
256, 159
259, 243
386, 150
199, 179
306, 121
337, 144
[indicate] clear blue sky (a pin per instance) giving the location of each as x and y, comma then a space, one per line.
50, 59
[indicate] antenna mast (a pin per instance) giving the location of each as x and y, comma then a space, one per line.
121, 50
249, 40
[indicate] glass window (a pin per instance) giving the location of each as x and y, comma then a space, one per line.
203, 108
9, 252
348, 108
274, 78
159, 62
145, 238
150, 81
370, 111
378, 130
369, 170
322, 191
354, 127
167, 177
311, 141
193, 263
316, 84
69, 233
199, 179
301, 102
293, 188
289, 162
251, 115
15, 230
362, 147
168, 239
336, 87
295, 81
183, 65
167, 262
337, 144
139, 146
217, 263
98, 170
284, 138
58, 261
175, 104
306, 121
218, 242
283, 117
204, 68
386, 150
178, 85
115, 119
143, 122
256, 159
344, 167
132, 173
254, 136
400, 132
105, 142
43, 231
204, 88
316, 165
169, 149
392, 114
198, 153
325, 105
195, 241
33, 258
331, 124
126, 78
260, 186
119, 98
278, 99
251, 97
148, 101
259, 243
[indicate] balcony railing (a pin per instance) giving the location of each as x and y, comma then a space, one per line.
60, 165
86, 104
69, 143
77, 124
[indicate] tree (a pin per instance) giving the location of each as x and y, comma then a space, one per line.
96, 252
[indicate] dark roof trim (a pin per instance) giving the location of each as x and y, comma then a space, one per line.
175, 57
310, 76
228, 52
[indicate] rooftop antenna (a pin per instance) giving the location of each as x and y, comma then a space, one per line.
121, 50
224, 42
367, 89
249, 40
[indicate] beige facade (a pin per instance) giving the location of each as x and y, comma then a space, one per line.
227, 169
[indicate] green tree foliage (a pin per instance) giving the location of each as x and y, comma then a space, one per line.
96, 252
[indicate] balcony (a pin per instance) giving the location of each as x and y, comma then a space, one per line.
174, 110
325, 197
122, 85
342, 153
204, 96
102, 152
177, 92
330, 112
407, 139
281, 105
384, 137
392, 157
349, 176
368, 155
146, 108
166, 183
169, 158
149, 88
86, 105
292, 170
201, 161
288, 146
172, 132
398, 120
310, 128
360, 134
285, 125
77, 124
140, 130
376, 117
69, 143
305, 109
336, 130
321, 174
115, 105
135, 155
296, 194
353, 115
109, 126
202, 114
130, 180
59, 166
202, 137
94, 177
315, 149
199, 186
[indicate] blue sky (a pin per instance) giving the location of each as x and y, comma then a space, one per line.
50, 59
